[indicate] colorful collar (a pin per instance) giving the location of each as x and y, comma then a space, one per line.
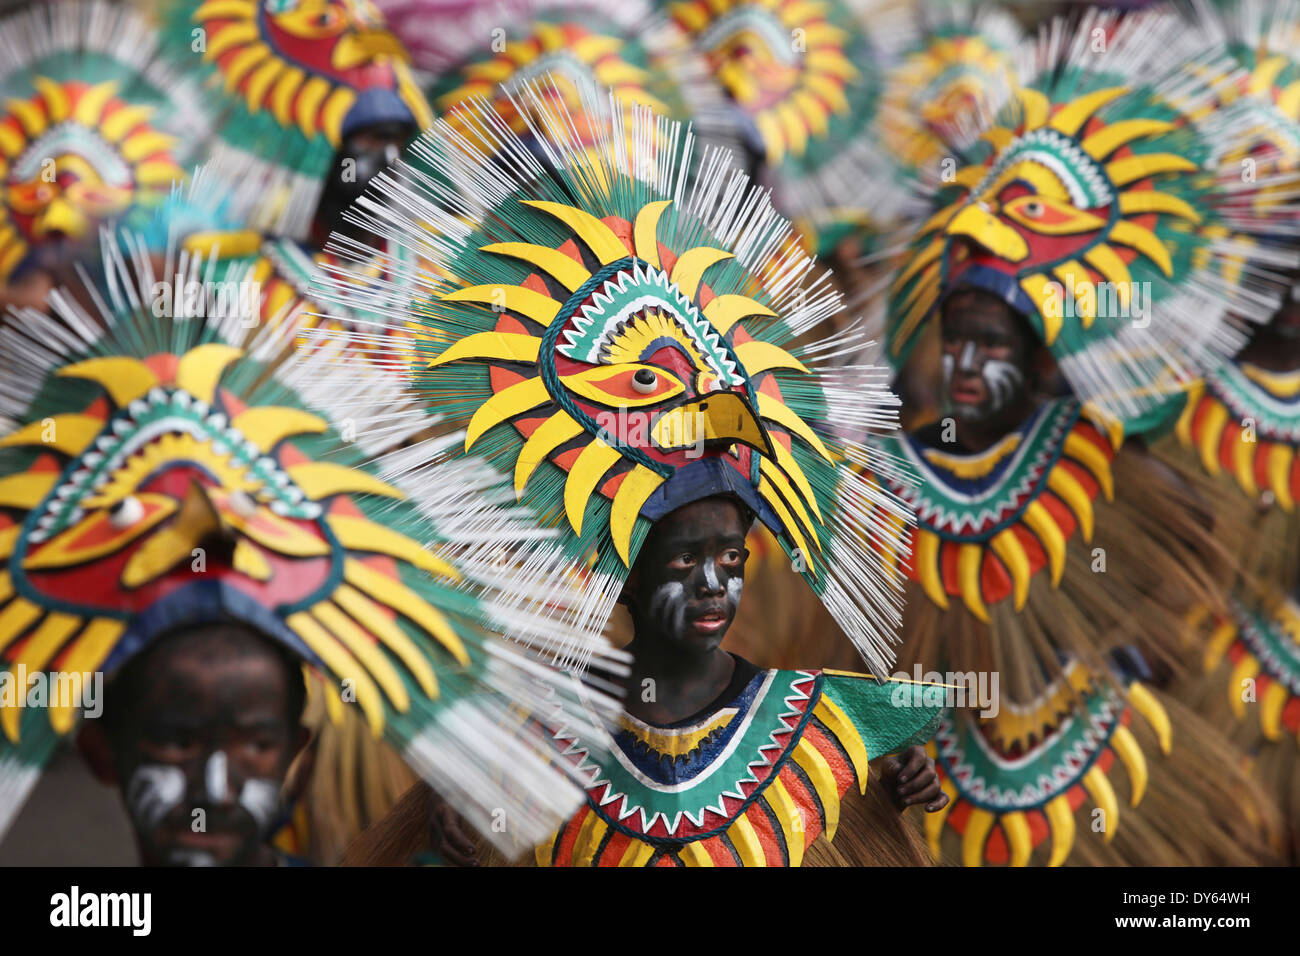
1214, 420
1261, 643
1017, 779
753, 784
987, 523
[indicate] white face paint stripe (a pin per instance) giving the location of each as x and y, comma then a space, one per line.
967, 363
153, 791
734, 587
215, 777
1003, 379
668, 606
261, 798
711, 575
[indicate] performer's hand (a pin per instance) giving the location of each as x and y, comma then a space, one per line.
450, 837
910, 778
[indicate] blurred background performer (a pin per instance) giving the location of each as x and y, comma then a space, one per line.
311, 100
950, 67
95, 126
603, 333
807, 81
186, 514
1237, 432
1092, 233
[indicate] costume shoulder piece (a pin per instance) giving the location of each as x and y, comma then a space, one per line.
751, 784
94, 126
162, 468
1235, 397
1259, 641
988, 523
618, 333
1015, 781
1102, 205
288, 80
808, 81
588, 50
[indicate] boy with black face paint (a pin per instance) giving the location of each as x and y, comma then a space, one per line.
198, 734
685, 696
642, 383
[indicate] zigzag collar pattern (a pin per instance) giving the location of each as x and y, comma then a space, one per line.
952, 505
655, 794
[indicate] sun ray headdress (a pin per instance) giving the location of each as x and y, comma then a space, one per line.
953, 69
808, 80
629, 50
94, 125
163, 467
618, 334
1102, 206
288, 81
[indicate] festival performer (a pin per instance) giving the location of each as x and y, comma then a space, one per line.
186, 515
1237, 434
1090, 237
310, 101
94, 126
603, 334
951, 65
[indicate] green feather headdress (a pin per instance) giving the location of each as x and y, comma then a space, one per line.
94, 124
161, 466
620, 333
1102, 205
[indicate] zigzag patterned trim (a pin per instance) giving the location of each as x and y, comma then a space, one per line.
1236, 424
988, 542
1004, 807
784, 797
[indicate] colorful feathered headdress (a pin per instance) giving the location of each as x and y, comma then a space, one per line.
1264, 41
808, 80
1101, 207
587, 50
288, 80
619, 333
94, 125
162, 466
953, 68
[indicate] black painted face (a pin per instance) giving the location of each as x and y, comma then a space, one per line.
208, 730
687, 582
363, 155
987, 351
